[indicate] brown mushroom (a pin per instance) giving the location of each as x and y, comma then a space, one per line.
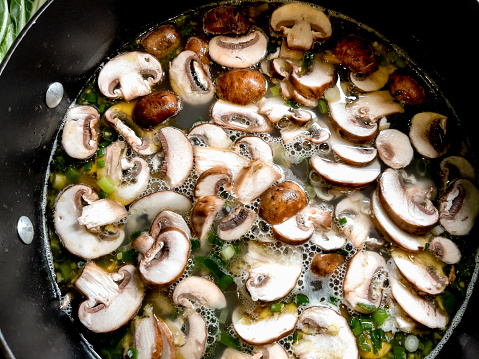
155, 108
241, 86
225, 19
203, 213
356, 54
324, 264
406, 89
162, 41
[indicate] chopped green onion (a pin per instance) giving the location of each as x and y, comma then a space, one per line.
380, 316
276, 307
344, 252
104, 144
106, 184
223, 315
274, 91
411, 343
91, 97
132, 353
292, 104
101, 164
215, 240
72, 174
101, 152
134, 235
399, 352
228, 340
307, 61
323, 106
101, 108
225, 281
88, 166
295, 336
227, 252
301, 299
342, 220
195, 243
58, 181
365, 306
366, 322
237, 249
126, 256
333, 300
355, 326
377, 337
103, 194
363, 344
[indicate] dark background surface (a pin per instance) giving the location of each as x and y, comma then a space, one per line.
67, 42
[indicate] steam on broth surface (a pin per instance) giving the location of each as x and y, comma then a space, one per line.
261, 179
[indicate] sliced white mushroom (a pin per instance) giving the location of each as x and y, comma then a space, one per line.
196, 335
254, 148
119, 117
168, 351
101, 213
198, 291
314, 83
374, 82
301, 24
203, 214
236, 117
459, 207
394, 148
454, 167
129, 75
168, 219
364, 281
416, 307
230, 353
147, 338
80, 132
178, 160
270, 351
325, 334
275, 108
372, 106
358, 224
210, 181
254, 180
236, 224
271, 277
76, 238
112, 298
294, 230
210, 135
190, 78
407, 241
165, 262
422, 270
208, 157
239, 52
290, 92
350, 153
266, 330
445, 250
428, 134
344, 175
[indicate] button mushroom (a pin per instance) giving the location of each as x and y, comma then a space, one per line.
352, 154
225, 19
358, 224
162, 41
203, 214
315, 81
147, 337
197, 291
242, 118
301, 24
196, 335
394, 148
428, 134
356, 54
190, 78
459, 207
254, 148
210, 181
239, 52
454, 167
373, 82
325, 334
236, 224
129, 75
324, 264
210, 135
80, 132
406, 89
445, 250
155, 108
275, 109
241, 86
113, 298
411, 212
76, 237
364, 281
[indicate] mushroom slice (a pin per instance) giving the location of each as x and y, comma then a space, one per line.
416, 307
266, 330
80, 132
352, 154
345, 175
210, 181
374, 105
143, 142
326, 334
254, 180
178, 161
242, 118
101, 213
301, 24
147, 338
422, 270
239, 52
76, 238
445, 250
428, 134
270, 351
129, 75
198, 291
405, 240
113, 298
459, 207
210, 135
196, 335
271, 277
394, 148
236, 224
165, 262
454, 167
290, 92
294, 230
373, 82
208, 157
364, 281
275, 109
358, 224
190, 78
169, 350
231, 353
203, 213
313, 83
254, 148
404, 206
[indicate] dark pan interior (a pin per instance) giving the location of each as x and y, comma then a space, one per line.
67, 42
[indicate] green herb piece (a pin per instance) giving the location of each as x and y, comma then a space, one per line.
301, 299
342, 220
100, 152
449, 301
104, 144
223, 315
366, 322
91, 97
399, 352
195, 243
101, 164
377, 337
380, 316
227, 252
292, 104
275, 91
333, 300
126, 256
355, 326
132, 353
344, 252
365, 306
225, 281
276, 307
322, 106
229, 340
88, 166
102, 194
363, 344
215, 240
72, 174
106, 184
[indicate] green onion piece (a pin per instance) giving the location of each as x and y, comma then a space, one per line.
342, 220
380, 316
134, 235
399, 352
225, 281
102, 108
215, 240
307, 61
88, 166
426, 247
366, 322
106, 184
229, 340
237, 249
199, 119
301, 299
126, 256
104, 144
344, 252
366, 306
355, 326
310, 191
227, 252
274, 91
91, 97
377, 337
132, 353
103, 194
323, 106
72, 174
295, 336
195, 243
223, 316
101, 164
101, 152
276, 307
65, 270
333, 300
292, 104
363, 344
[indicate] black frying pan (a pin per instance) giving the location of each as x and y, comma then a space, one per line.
67, 41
